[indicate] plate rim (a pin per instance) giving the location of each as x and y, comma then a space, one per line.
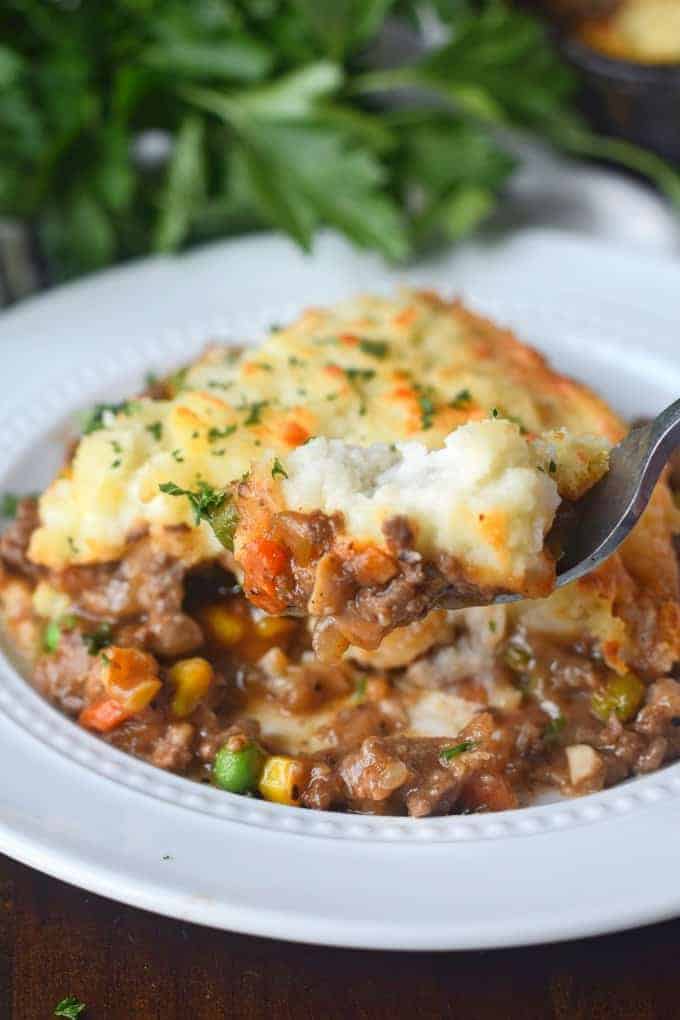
653, 790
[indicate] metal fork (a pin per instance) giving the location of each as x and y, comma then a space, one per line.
598, 523
608, 512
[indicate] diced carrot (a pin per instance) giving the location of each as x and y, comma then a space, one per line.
130, 676
349, 339
335, 370
263, 561
373, 566
103, 715
294, 434
126, 668
406, 317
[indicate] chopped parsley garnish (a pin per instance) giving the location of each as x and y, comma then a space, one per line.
98, 639
355, 376
360, 688
427, 408
294, 361
177, 455
265, 365
69, 1008
175, 382
9, 504
255, 412
552, 467
376, 348
492, 626
93, 420
117, 448
461, 399
448, 753
211, 505
72, 545
156, 429
215, 433
494, 412
554, 728
215, 384
278, 470
359, 374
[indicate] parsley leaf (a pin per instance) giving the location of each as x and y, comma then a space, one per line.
9, 504
376, 348
211, 505
156, 429
359, 374
215, 433
255, 412
448, 753
461, 399
69, 1008
98, 639
554, 728
427, 407
360, 686
156, 125
93, 420
278, 470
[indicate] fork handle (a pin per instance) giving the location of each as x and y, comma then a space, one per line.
649, 449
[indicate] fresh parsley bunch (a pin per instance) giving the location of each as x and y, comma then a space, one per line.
130, 126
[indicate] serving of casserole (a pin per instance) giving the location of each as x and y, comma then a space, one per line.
265, 572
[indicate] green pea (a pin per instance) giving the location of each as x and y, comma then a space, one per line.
621, 695
238, 771
51, 636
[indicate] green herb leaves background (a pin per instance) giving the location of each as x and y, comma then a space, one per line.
131, 126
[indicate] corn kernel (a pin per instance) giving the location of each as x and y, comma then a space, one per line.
272, 627
224, 625
191, 679
49, 602
283, 779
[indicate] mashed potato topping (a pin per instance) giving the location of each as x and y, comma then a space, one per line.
374, 370
487, 496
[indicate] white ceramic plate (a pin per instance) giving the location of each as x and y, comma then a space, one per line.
78, 809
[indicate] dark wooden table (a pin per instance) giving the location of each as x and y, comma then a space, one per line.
130, 965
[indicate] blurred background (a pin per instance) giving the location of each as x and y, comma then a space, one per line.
130, 127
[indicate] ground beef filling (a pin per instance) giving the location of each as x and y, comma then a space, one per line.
355, 596
564, 719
